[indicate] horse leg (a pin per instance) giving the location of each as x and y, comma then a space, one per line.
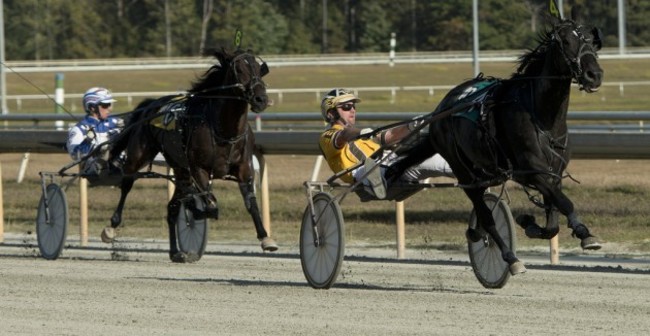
109, 232
486, 221
173, 210
211, 207
533, 230
250, 201
556, 197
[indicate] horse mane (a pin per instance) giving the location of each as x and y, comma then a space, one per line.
215, 75
532, 62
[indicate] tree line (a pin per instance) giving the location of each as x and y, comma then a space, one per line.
84, 29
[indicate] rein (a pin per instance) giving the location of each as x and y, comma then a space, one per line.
220, 88
247, 95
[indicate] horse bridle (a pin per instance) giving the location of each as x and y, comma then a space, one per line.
248, 91
586, 48
255, 80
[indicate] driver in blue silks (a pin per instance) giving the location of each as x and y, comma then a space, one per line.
94, 130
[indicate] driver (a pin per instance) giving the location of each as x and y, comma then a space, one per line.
343, 149
94, 130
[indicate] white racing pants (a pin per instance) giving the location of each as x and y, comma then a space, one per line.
435, 166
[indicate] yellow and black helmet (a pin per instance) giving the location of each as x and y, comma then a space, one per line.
334, 98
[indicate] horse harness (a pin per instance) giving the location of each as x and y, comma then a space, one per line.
586, 48
482, 115
174, 115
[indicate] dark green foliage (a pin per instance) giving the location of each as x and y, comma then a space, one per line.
68, 29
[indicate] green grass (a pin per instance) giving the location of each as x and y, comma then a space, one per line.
612, 198
609, 98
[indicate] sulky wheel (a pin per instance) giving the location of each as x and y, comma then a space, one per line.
192, 233
488, 265
52, 222
322, 246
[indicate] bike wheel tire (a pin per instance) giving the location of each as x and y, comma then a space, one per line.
321, 261
52, 222
485, 256
192, 233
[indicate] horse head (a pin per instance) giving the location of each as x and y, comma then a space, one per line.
578, 46
246, 73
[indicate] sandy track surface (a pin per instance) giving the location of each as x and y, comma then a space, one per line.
96, 291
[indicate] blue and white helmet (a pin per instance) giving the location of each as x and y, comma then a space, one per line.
95, 96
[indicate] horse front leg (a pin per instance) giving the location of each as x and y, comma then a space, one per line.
555, 196
580, 230
109, 233
486, 221
250, 201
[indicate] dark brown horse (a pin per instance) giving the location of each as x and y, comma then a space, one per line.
517, 130
203, 135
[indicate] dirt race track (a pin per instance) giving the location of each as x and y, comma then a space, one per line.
98, 291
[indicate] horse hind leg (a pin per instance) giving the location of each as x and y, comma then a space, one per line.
250, 201
533, 230
110, 232
486, 221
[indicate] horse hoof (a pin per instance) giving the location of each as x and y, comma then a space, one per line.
473, 235
184, 258
590, 243
108, 235
268, 244
177, 257
191, 257
517, 268
525, 221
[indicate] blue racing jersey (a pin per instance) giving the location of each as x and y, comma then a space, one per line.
79, 144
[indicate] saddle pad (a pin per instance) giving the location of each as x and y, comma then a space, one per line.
476, 93
169, 113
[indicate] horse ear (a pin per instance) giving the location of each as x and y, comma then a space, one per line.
598, 42
222, 55
264, 69
576, 13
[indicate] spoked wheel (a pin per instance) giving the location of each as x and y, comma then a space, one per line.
322, 245
485, 256
192, 233
52, 222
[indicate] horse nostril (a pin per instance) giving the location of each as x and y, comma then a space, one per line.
593, 76
260, 100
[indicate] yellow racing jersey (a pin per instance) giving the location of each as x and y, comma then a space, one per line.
351, 154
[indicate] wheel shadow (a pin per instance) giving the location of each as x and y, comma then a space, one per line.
337, 286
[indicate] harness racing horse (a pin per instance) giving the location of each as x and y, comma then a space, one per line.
203, 135
516, 129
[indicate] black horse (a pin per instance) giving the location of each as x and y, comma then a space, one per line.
203, 135
516, 129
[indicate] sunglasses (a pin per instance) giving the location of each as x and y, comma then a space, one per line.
105, 105
347, 107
